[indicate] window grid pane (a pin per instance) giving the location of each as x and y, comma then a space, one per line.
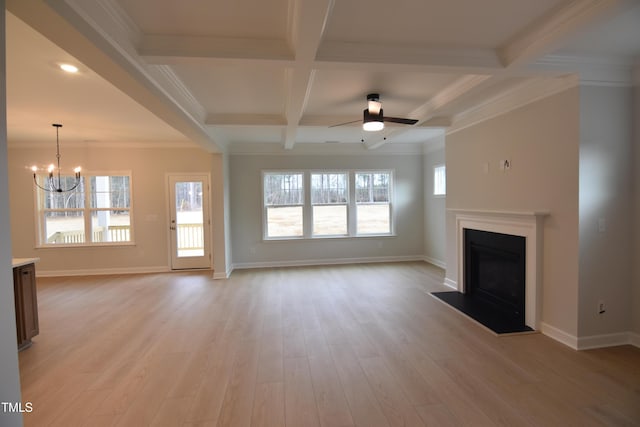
329, 188
373, 187
330, 220
284, 221
283, 189
439, 181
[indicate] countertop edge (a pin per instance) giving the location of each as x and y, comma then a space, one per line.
19, 262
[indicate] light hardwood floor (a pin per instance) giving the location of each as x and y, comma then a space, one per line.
362, 345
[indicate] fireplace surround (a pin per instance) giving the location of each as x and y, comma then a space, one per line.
528, 225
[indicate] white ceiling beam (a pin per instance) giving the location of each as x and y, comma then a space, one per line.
165, 49
432, 59
308, 19
330, 120
544, 35
232, 120
428, 110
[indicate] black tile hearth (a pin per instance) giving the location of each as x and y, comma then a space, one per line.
483, 312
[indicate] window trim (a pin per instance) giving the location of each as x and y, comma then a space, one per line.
305, 194
307, 207
40, 218
435, 169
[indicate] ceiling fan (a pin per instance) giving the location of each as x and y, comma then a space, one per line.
373, 117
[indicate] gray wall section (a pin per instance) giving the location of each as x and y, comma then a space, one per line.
606, 202
9, 376
636, 211
248, 248
435, 239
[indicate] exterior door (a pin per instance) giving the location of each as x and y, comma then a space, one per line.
189, 222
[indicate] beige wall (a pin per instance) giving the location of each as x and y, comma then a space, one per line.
541, 140
148, 167
435, 236
606, 201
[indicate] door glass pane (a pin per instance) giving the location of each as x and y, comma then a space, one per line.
189, 219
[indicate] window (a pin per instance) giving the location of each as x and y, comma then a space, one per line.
439, 180
329, 198
98, 211
284, 201
373, 202
325, 204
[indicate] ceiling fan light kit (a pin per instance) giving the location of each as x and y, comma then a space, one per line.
373, 117
372, 122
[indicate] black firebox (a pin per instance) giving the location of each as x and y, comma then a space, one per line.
494, 271
494, 281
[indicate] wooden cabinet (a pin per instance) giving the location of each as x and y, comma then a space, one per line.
24, 288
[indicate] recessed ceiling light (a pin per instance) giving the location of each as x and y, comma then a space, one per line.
69, 68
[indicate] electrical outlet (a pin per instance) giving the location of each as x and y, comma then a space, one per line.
601, 307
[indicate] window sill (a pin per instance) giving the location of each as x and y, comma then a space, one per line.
86, 245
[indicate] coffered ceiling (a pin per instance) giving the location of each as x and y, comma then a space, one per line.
250, 74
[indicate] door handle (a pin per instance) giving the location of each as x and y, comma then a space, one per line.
172, 227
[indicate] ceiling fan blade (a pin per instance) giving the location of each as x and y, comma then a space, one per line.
400, 120
346, 123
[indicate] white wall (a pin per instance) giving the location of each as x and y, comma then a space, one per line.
219, 222
149, 167
541, 140
435, 236
246, 227
606, 201
9, 376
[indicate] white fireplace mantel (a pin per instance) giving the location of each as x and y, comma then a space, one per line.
528, 224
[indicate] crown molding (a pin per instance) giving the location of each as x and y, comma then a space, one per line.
112, 18
526, 93
602, 70
106, 145
180, 93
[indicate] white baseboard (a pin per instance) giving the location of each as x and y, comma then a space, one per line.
559, 335
436, 262
605, 340
590, 342
451, 283
335, 261
102, 271
222, 275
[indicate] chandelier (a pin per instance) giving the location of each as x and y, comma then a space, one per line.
53, 181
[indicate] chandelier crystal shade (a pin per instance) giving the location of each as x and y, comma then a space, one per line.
53, 182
